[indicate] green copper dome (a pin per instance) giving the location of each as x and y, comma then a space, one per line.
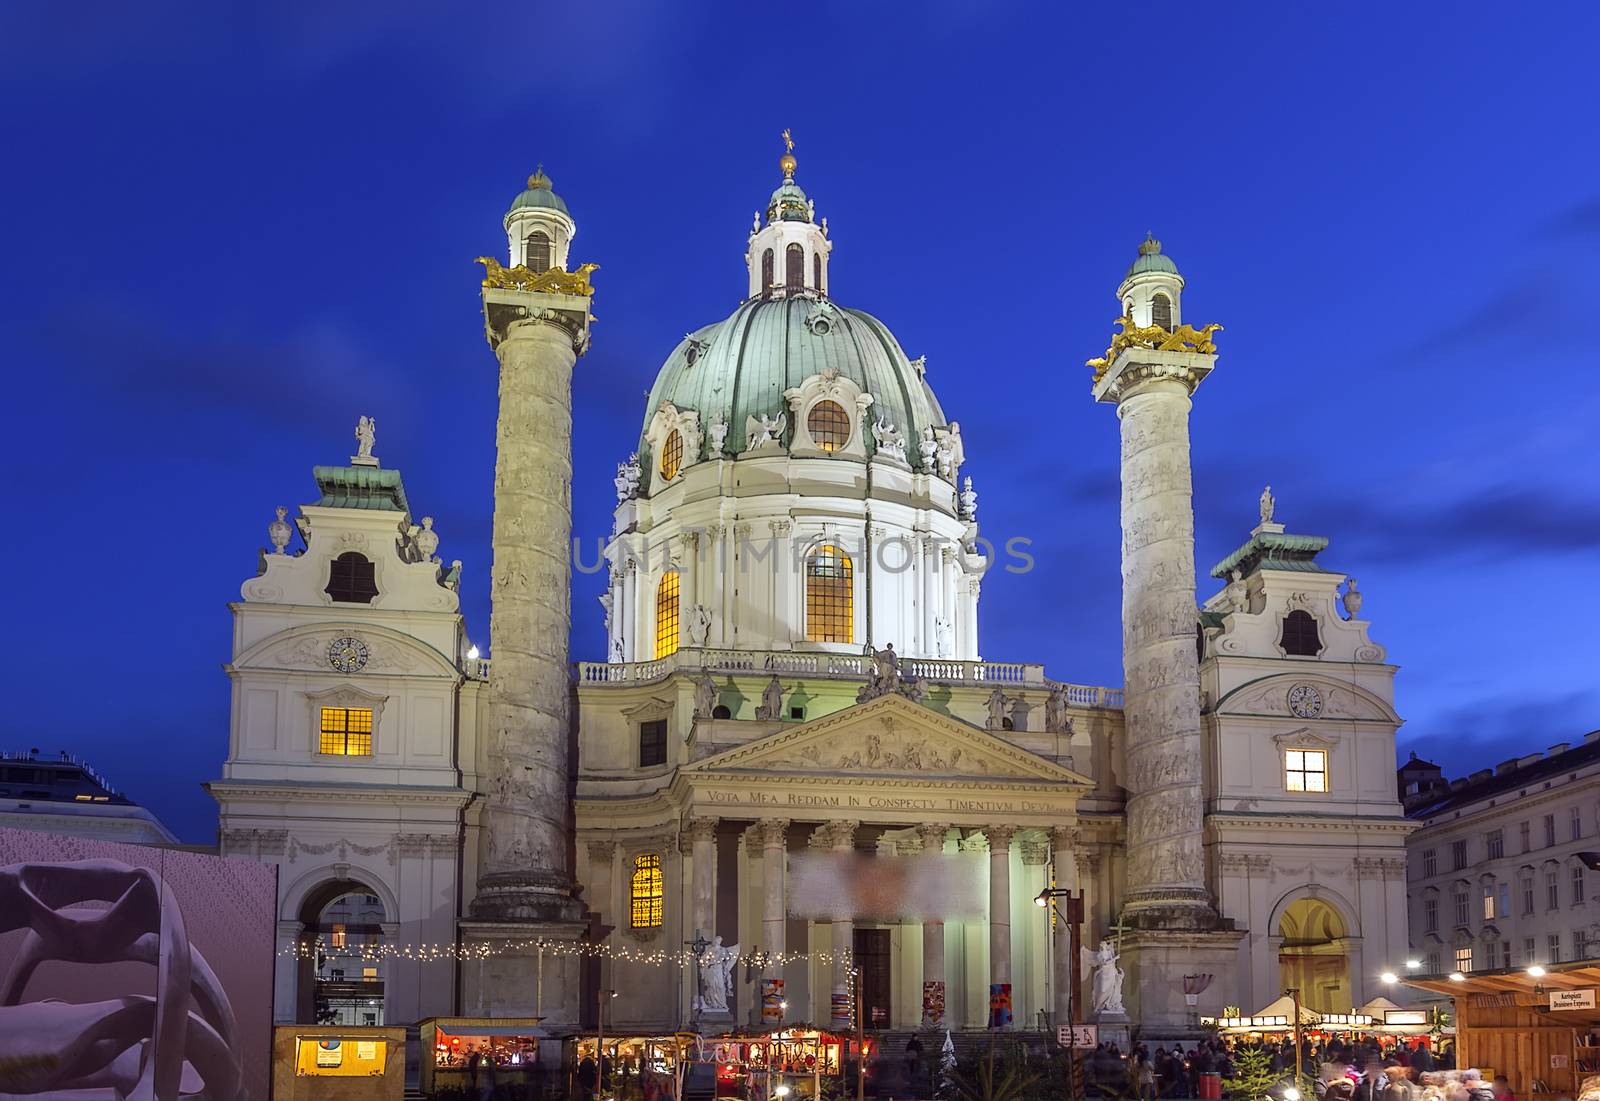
538, 195
740, 368
789, 204
1151, 259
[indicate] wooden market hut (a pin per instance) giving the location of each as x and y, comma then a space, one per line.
1539, 1030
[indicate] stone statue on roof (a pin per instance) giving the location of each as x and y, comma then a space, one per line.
1268, 504
366, 434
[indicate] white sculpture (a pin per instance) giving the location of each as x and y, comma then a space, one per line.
719, 434
920, 365
607, 600
705, 697
969, 499
699, 625
890, 442
1106, 996
763, 430
943, 633
617, 651
279, 531
627, 479
366, 435
947, 458
427, 540
771, 706
1352, 599
927, 447
1055, 711
716, 976
1268, 505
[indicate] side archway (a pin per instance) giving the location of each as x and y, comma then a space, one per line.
1315, 950
340, 973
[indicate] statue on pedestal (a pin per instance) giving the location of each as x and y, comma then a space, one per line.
1106, 996
716, 977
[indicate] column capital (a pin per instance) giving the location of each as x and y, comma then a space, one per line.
1035, 854
1064, 839
602, 852
1088, 860
932, 835
700, 829
999, 837
837, 836
773, 832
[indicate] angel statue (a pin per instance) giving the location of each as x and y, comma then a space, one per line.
1106, 997
763, 430
716, 976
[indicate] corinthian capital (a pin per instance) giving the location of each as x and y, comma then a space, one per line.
836, 836
774, 832
700, 829
932, 835
999, 837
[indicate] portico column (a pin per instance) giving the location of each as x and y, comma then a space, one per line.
999, 905
773, 835
1064, 862
839, 837
933, 1016
702, 874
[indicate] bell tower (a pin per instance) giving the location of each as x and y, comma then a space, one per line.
539, 231
1152, 291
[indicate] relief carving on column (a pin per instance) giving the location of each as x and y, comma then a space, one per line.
1035, 854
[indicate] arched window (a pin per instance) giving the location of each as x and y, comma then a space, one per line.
536, 251
350, 579
816, 270
1300, 635
672, 455
829, 425
794, 267
1161, 311
766, 271
645, 893
667, 616
830, 605
1127, 308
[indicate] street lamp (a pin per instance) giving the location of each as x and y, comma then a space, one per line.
1413, 965
1456, 976
1388, 978
1535, 971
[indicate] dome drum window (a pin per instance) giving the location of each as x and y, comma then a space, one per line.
829, 425
672, 455
667, 615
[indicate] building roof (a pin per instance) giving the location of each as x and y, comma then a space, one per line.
740, 367
1273, 550
1512, 774
538, 195
368, 487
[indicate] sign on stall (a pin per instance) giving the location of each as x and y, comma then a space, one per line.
1078, 1036
1572, 999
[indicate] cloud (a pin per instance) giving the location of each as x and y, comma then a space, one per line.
1500, 524
1491, 729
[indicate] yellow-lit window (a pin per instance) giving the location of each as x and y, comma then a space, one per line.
336, 938
1306, 770
828, 425
671, 455
830, 608
667, 616
347, 731
645, 893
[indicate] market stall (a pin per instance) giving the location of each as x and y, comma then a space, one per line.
1540, 1027
338, 1062
453, 1045
758, 1064
637, 1065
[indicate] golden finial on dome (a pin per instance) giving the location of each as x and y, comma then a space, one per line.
539, 179
787, 161
1149, 246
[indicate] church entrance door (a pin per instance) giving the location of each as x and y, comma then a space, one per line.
872, 957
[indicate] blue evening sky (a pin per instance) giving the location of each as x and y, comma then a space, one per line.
232, 229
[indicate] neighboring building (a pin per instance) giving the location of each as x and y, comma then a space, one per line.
63, 795
1502, 867
798, 504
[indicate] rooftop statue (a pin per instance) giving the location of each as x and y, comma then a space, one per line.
1268, 504
366, 436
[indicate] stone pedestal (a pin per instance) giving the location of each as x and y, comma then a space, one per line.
1156, 962
516, 979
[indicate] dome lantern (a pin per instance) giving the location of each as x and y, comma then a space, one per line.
789, 255
1151, 291
539, 230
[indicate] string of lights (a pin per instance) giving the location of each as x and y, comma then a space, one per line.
621, 953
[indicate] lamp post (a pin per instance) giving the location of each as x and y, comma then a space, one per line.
1073, 919
1294, 992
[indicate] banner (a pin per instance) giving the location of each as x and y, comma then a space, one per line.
771, 1002
999, 1004
933, 1004
927, 887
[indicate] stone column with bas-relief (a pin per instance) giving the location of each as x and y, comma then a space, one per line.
525, 891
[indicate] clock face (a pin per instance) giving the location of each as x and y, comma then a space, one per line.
348, 655
1305, 701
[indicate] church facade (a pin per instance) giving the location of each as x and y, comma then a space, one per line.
793, 670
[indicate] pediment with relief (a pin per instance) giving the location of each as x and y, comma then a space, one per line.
1270, 696
889, 736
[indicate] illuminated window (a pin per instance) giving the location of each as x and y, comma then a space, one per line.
1300, 635
830, 608
672, 455
1161, 311
667, 615
1464, 959
346, 731
336, 938
829, 425
645, 893
351, 579
537, 253
1488, 902
1306, 770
